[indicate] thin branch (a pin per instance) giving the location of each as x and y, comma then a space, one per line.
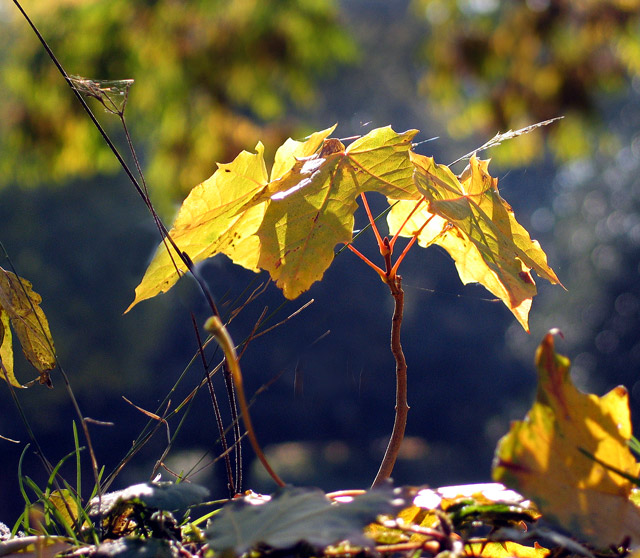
153, 416
402, 407
394, 269
235, 423
231, 392
261, 288
372, 221
368, 262
141, 192
281, 322
367, 226
392, 242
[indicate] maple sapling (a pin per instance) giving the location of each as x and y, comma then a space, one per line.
288, 222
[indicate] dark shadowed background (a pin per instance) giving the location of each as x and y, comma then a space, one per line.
213, 78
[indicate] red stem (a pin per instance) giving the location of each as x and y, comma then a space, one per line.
394, 270
381, 243
366, 260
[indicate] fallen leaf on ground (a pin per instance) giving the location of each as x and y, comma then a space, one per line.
294, 515
544, 457
505, 549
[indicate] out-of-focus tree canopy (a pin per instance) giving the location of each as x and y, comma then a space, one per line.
498, 65
211, 78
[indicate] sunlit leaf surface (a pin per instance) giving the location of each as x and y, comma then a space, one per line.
505, 549
467, 217
543, 457
166, 496
288, 223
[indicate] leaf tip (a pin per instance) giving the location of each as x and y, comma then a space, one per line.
548, 342
133, 303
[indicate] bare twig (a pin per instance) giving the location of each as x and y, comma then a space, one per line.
261, 288
292, 315
162, 420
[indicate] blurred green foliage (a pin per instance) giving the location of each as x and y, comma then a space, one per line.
211, 78
494, 66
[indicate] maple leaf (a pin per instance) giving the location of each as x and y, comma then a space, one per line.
20, 307
313, 205
556, 456
211, 219
467, 217
288, 223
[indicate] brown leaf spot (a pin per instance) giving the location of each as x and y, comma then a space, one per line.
330, 146
526, 277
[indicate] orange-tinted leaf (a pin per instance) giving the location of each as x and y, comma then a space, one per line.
543, 456
470, 220
21, 305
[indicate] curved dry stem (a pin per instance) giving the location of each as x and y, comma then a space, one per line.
402, 407
216, 328
216, 411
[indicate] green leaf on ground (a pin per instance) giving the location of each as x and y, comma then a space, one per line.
164, 496
297, 515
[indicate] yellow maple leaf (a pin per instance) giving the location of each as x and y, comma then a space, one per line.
6, 351
467, 217
546, 457
220, 216
312, 206
289, 223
